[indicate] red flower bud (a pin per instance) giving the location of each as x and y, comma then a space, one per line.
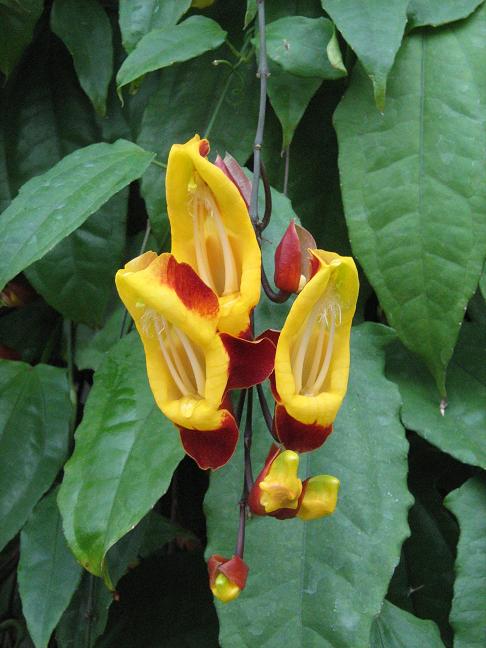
232, 170
227, 577
294, 265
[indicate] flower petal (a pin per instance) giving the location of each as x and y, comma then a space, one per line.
297, 436
213, 448
250, 362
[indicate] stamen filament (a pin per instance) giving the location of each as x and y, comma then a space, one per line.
195, 364
202, 260
170, 365
301, 349
177, 358
327, 358
230, 276
316, 360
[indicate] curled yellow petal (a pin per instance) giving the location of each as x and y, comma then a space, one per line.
212, 232
320, 497
281, 487
224, 589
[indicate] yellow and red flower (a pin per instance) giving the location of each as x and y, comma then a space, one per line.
212, 232
312, 357
227, 577
280, 493
190, 365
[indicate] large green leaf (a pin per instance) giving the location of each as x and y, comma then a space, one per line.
395, 628
141, 17
34, 433
415, 223
321, 583
164, 47
290, 96
17, 22
91, 346
460, 431
85, 29
29, 329
125, 454
424, 12
76, 277
468, 614
48, 574
374, 30
196, 88
306, 47
62, 199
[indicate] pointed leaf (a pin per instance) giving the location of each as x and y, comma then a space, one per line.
395, 628
76, 277
34, 432
17, 22
163, 47
85, 29
424, 12
324, 583
304, 47
48, 574
415, 225
460, 431
141, 17
62, 199
125, 454
468, 614
374, 30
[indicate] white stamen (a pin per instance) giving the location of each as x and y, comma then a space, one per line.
195, 365
327, 358
202, 260
230, 276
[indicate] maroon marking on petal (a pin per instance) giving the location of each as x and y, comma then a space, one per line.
273, 335
250, 362
236, 570
204, 147
288, 261
213, 566
298, 436
190, 289
213, 448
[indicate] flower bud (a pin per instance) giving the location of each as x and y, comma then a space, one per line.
227, 577
294, 265
319, 497
232, 170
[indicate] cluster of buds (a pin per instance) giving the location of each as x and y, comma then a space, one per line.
193, 310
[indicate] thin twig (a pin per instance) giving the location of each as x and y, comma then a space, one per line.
279, 297
286, 170
267, 415
239, 407
268, 201
262, 73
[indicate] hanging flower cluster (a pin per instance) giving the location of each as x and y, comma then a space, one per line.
193, 311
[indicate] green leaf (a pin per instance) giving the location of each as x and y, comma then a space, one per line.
62, 199
91, 346
139, 18
327, 578
17, 24
86, 617
304, 47
482, 284
86, 31
48, 574
76, 277
468, 614
415, 225
395, 628
250, 13
460, 431
211, 101
34, 432
290, 95
424, 12
125, 454
164, 47
374, 30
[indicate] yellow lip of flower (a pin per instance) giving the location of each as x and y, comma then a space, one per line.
312, 357
224, 590
319, 498
176, 317
281, 487
212, 232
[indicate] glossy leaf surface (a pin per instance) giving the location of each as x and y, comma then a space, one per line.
125, 454
395, 628
17, 22
34, 432
412, 188
140, 17
423, 12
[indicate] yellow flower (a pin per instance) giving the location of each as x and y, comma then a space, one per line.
212, 232
190, 366
227, 577
319, 497
312, 358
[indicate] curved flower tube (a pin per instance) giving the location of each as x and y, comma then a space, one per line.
279, 492
312, 357
190, 366
227, 577
212, 232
